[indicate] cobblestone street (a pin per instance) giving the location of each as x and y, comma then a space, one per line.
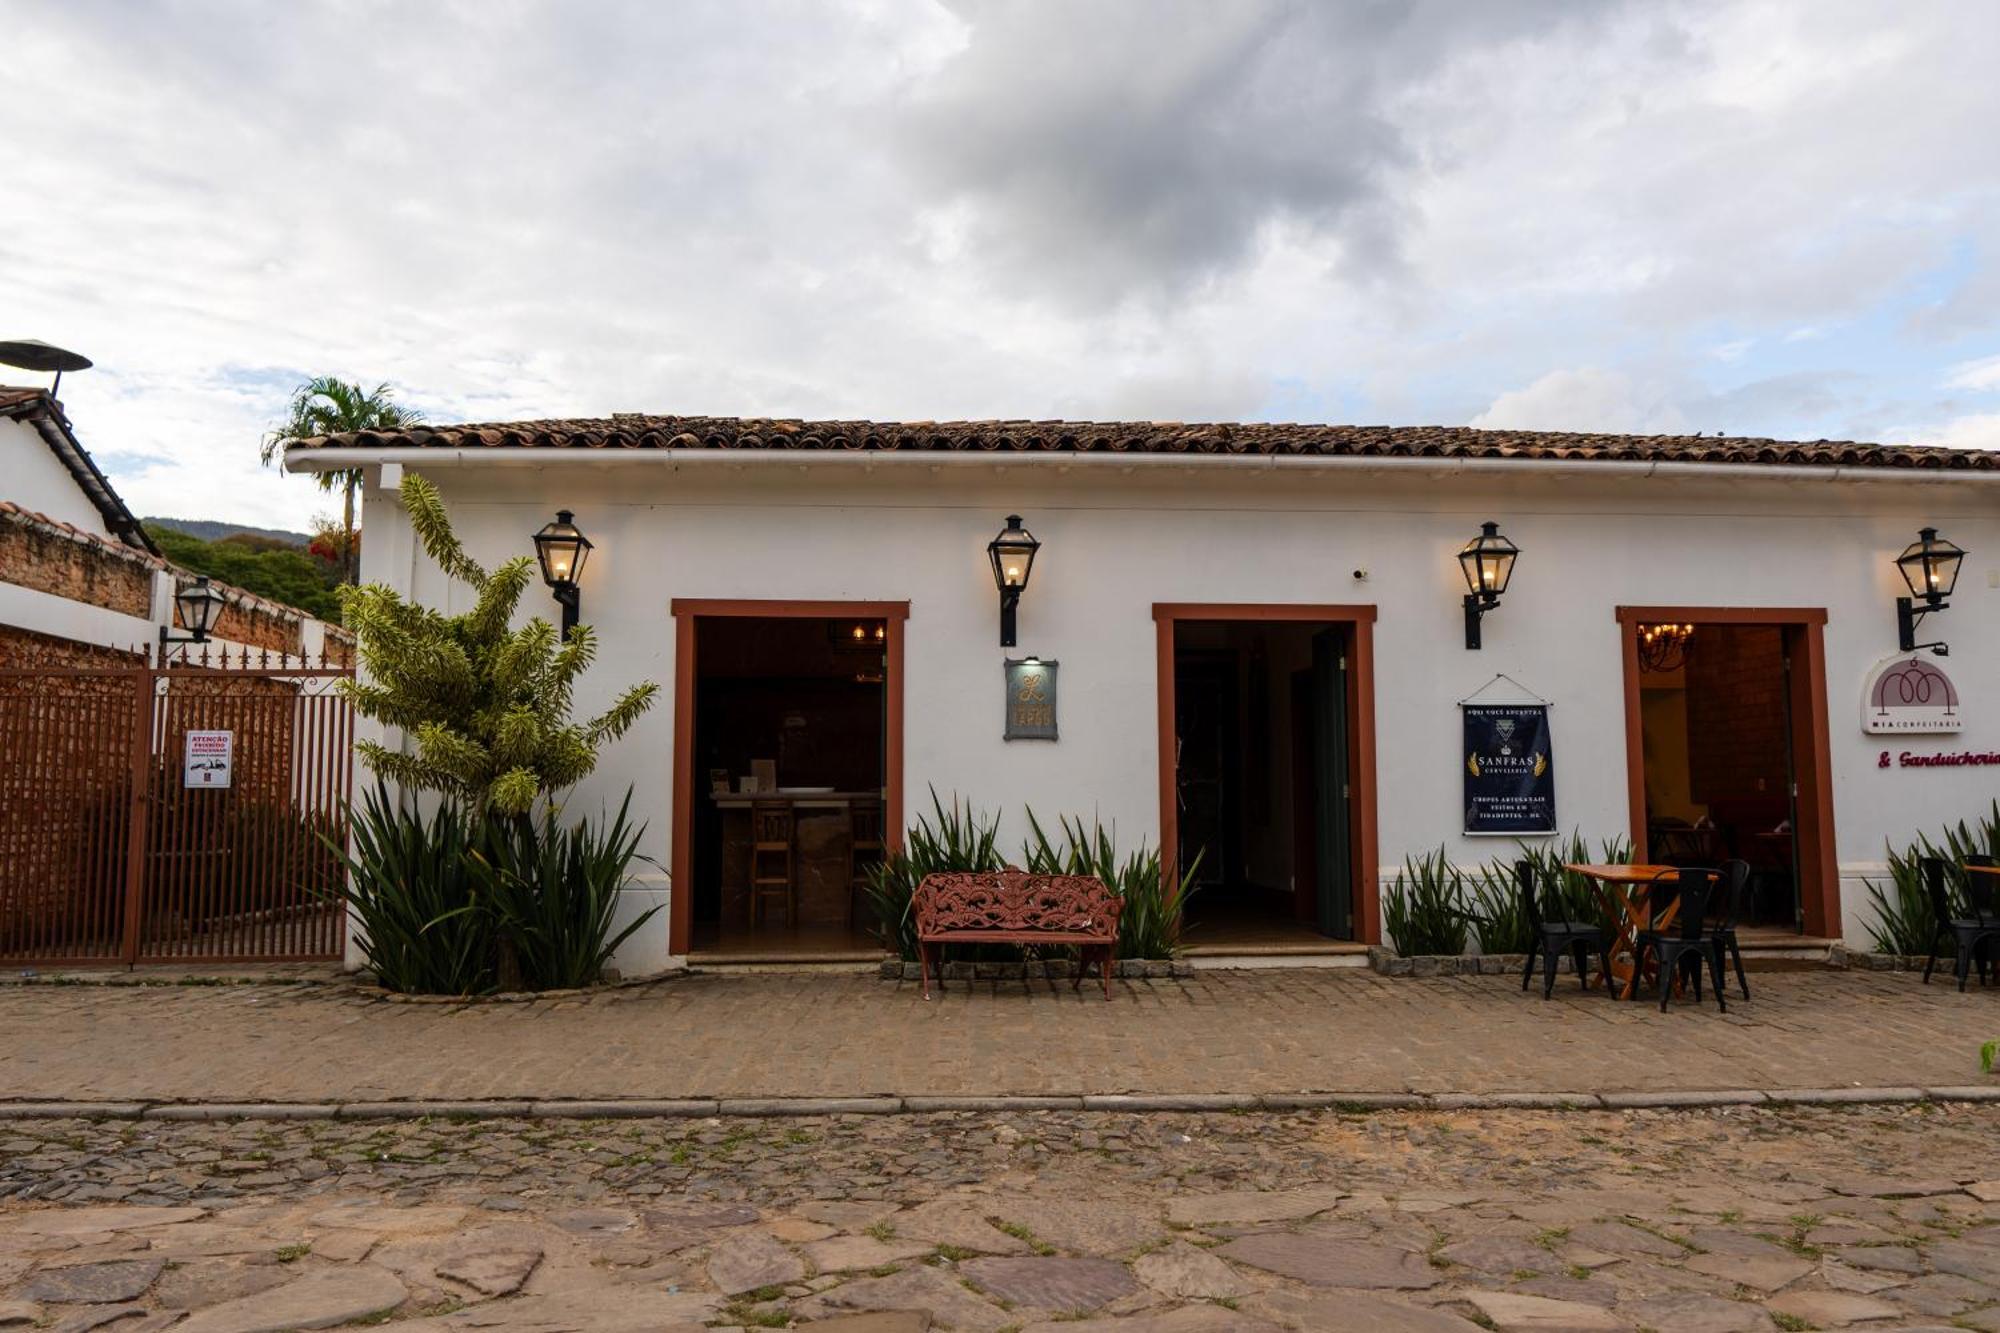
711, 1036
1722, 1219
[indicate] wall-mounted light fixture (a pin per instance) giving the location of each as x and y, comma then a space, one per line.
1930, 566
1013, 556
1487, 562
562, 549
200, 606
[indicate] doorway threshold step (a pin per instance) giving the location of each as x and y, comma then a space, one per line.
1316, 953
1783, 946
793, 960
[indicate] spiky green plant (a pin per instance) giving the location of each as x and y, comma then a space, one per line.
1423, 912
1153, 909
410, 886
552, 891
487, 706
1564, 893
953, 838
1904, 922
1497, 908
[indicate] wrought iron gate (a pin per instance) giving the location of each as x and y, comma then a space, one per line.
117, 846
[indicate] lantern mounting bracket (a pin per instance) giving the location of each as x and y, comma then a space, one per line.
1908, 617
1475, 607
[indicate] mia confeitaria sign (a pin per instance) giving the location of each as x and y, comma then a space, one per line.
1907, 695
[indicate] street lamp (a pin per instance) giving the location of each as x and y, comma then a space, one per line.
562, 549
1487, 562
200, 606
1013, 557
1930, 566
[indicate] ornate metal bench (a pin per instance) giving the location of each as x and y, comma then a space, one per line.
1015, 907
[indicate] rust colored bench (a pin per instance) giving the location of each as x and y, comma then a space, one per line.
1015, 907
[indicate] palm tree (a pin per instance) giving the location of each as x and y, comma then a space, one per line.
328, 406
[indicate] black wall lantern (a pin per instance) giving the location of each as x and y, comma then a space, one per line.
562, 549
1487, 562
1930, 566
200, 606
1013, 556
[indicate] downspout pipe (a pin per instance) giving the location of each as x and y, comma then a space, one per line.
321, 460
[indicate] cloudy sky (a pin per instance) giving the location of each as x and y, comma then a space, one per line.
1776, 219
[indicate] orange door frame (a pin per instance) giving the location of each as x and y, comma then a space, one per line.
1360, 623
1812, 754
688, 612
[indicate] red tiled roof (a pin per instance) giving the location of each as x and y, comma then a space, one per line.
669, 432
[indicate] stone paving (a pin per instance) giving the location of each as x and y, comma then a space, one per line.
847, 1035
1689, 1221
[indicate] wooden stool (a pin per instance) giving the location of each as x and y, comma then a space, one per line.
771, 860
864, 848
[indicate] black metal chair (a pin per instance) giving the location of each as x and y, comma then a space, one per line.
1970, 935
1727, 912
1550, 940
1681, 951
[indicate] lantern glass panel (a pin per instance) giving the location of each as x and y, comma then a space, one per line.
562, 549
1930, 565
1488, 562
1013, 555
200, 607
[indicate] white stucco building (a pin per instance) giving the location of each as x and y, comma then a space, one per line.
1261, 641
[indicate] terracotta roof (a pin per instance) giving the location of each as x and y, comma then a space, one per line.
40, 410
667, 432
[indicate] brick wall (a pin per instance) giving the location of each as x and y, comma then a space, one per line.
245, 619
1736, 709
20, 648
47, 559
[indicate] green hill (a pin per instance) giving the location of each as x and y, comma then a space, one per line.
256, 563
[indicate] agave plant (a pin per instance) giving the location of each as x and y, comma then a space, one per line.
1153, 910
1565, 893
552, 893
953, 838
410, 886
1497, 907
1905, 922
1423, 911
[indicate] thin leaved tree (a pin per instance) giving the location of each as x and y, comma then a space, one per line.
325, 405
486, 705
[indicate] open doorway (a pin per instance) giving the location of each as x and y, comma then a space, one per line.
1263, 785
1730, 755
787, 770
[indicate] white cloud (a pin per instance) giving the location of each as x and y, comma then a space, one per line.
1980, 431
1584, 400
1976, 375
1774, 217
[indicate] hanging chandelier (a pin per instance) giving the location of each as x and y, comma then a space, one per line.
1664, 648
